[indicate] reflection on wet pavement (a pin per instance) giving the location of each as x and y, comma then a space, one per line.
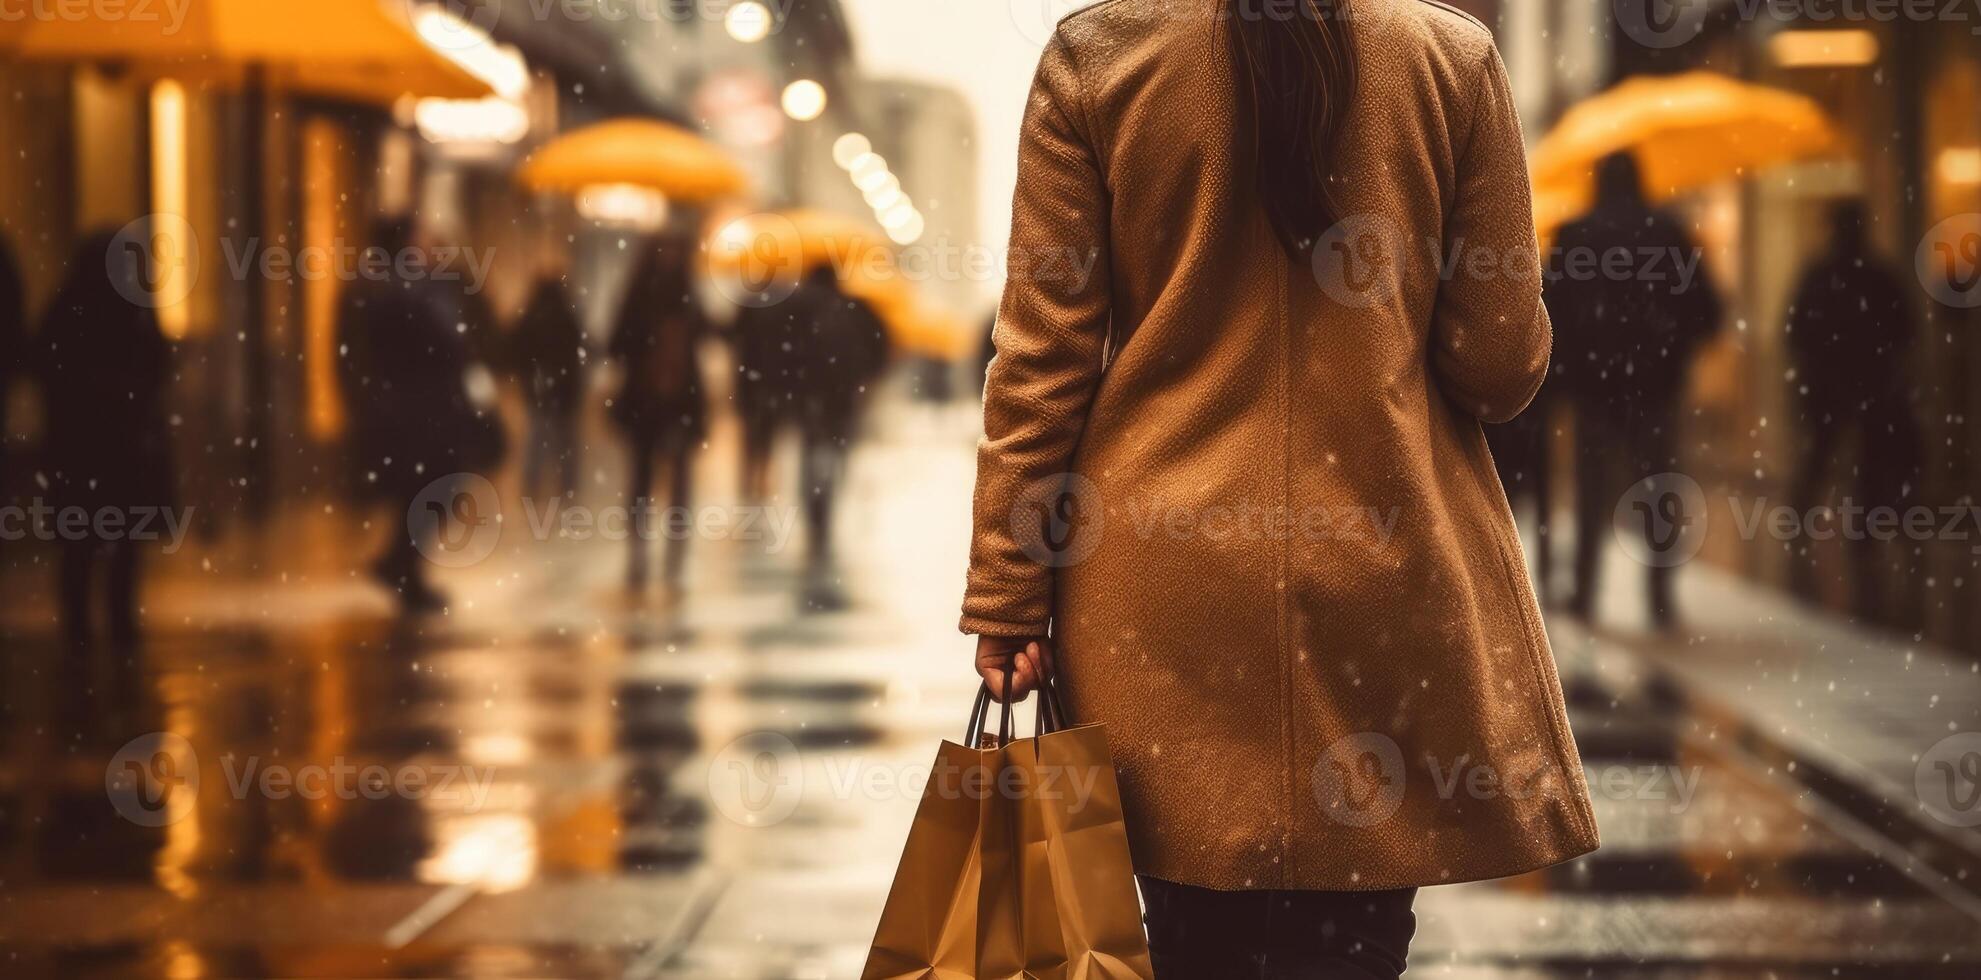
557, 780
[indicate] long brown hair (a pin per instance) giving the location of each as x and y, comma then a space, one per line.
1295, 73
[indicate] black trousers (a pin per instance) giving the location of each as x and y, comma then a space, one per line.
1201, 934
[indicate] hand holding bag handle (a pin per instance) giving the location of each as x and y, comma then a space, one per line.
1050, 711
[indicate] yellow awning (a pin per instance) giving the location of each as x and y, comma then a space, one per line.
357, 49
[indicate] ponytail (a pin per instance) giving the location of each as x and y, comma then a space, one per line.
1295, 80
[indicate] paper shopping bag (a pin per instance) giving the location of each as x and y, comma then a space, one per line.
1016, 865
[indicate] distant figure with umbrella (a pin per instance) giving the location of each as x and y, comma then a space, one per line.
547, 351
811, 361
660, 407
1850, 333
417, 433
102, 366
1623, 346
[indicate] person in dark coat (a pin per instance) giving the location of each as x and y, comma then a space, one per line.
547, 351
811, 361
416, 433
102, 366
660, 407
1850, 333
1623, 347
13, 346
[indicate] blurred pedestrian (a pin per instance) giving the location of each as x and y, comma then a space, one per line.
416, 431
762, 388
1188, 457
1850, 333
13, 348
547, 351
812, 360
1631, 304
660, 406
102, 366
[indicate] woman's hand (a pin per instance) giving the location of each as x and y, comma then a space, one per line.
1030, 658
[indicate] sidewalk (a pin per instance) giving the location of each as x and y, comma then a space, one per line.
1853, 712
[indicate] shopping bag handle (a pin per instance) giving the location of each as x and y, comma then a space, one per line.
980, 710
1050, 711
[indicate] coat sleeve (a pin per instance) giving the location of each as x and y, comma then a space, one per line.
1049, 337
1489, 334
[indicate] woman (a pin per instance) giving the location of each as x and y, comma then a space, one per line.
660, 405
1287, 579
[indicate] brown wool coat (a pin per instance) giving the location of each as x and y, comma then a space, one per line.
1292, 589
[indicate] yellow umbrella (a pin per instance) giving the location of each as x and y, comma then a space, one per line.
644, 152
343, 48
785, 245
1686, 131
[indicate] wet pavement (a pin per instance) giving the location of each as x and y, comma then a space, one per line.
558, 779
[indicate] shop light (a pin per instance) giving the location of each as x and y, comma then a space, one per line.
885, 196
169, 181
804, 100
748, 22
1824, 49
1960, 165
628, 205
849, 148
488, 120
910, 230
